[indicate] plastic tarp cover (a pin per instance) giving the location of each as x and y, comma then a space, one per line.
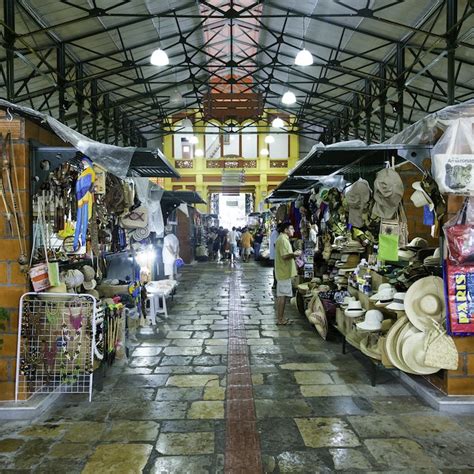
452, 158
428, 130
150, 195
114, 159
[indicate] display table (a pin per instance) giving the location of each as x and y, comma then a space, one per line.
157, 292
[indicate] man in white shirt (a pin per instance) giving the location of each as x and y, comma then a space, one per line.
170, 252
273, 238
233, 237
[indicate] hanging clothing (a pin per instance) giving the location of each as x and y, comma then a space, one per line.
170, 253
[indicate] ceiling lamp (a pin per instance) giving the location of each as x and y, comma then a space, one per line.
186, 123
159, 58
288, 98
199, 152
278, 123
193, 140
269, 139
304, 58
264, 151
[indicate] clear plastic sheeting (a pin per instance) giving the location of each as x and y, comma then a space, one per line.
429, 130
347, 144
452, 158
150, 196
114, 159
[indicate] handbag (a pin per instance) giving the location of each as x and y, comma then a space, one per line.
440, 350
393, 235
136, 219
460, 237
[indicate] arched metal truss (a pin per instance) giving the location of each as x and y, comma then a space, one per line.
379, 64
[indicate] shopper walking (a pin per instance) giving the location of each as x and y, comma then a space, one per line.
246, 241
233, 238
257, 243
285, 270
170, 252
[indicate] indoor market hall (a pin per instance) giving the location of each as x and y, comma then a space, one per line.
219, 387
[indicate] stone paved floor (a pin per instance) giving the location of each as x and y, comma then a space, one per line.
165, 412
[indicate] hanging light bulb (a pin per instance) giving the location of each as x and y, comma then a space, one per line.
304, 58
269, 139
193, 140
278, 123
199, 152
264, 151
186, 123
159, 58
288, 98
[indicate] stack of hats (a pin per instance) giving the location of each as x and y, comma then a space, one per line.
406, 345
354, 309
372, 321
384, 295
409, 252
348, 262
433, 260
353, 246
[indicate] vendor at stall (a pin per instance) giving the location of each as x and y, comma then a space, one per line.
170, 252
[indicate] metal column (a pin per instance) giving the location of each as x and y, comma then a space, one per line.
451, 37
106, 117
61, 80
94, 108
400, 84
9, 35
79, 97
368, 110
382, 101
116, 125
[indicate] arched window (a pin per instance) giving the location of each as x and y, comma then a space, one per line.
183, 149
279, 149
231, 142
249, 142
212, 142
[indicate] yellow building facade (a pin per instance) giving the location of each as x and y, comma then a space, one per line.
260, 174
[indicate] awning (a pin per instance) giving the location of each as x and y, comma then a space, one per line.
329, 160
189, 197
151, 163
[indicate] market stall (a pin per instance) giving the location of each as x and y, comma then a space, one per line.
377, 266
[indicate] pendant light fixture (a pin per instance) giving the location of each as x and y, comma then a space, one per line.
278, 123
288, 98
304, 57
264, 152
193, 140
199, 153
269, 139
159, 57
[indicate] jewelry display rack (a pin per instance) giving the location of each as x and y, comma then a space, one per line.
56, 341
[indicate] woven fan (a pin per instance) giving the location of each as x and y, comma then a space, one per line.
441, 351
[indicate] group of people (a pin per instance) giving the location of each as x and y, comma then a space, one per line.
236, 243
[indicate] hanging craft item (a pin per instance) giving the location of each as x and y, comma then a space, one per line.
84, 197
136, 219
388, 193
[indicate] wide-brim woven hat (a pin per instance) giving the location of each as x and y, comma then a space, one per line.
372, 321
391, 342
424, 302
371, 350
413, 354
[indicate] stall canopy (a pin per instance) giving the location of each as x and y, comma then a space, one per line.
323, 161
189, 197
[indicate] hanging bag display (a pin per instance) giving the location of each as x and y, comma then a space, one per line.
136, 219
459, 233
393, 235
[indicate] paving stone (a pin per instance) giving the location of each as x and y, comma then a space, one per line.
215, 342
190, 380
312, 377
144, 361
152, 381
347, 459
120, 458
179, 334
123, 431
308, 366
186, 351
281, 408
183, 464
31, 453
162, 410
216, 350
146, 351
376, 426
187, 342
206, 410
44, 431
173, 369
70, 451
340, 406
179, 394
185, 443
176, 360
399, 453
326, 390
84, 432
428, 426
301, 462
10, 445
214, 393
326, 432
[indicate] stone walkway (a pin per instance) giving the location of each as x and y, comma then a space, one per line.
313, 408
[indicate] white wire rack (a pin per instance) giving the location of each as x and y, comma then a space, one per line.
56, 340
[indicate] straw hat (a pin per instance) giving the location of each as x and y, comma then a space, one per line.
413, 353
353, 246
382, 286
88, 272
385, 297
434, 260
357, 198
347, 300
388, 193
420, 198
391, 343
406, 255
370, 349
417, 243
372, 321
354, 309
424, 302
398, 302
89, 285
321, 322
